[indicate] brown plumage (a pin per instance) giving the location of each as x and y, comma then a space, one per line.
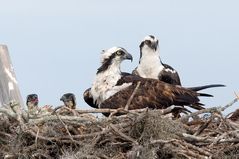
112, 89
153, 94
235, 115
89, 99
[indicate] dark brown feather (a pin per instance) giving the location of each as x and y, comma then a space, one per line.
169, 77
235, 116
151, 93
89, 99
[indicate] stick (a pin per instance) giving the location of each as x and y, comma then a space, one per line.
132, 96
230, 104
37, 136
155, 142
203, 127
123, 135
68, 132
8, 112
208, 110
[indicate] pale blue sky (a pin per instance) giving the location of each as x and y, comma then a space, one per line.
55, 45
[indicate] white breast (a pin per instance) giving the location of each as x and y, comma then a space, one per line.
104, 85
150, 66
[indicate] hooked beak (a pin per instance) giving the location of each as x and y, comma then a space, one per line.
154, 46
128, 56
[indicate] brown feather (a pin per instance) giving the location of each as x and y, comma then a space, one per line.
89, 99
235, 116
152, 93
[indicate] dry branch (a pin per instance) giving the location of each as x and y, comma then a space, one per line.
132, 96
145, 132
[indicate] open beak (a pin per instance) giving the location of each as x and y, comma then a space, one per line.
128, 56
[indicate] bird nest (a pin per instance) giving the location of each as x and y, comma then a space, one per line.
140, 134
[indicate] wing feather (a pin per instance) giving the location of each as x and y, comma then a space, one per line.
153, 94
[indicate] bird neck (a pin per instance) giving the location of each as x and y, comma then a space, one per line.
150, 64
105, 81
150, 57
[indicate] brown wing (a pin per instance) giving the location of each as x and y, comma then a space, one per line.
153, 94
235, 115
126, 77
89, 99
168, 76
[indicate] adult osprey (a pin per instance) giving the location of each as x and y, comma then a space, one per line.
150, 64
88, 98
112, 90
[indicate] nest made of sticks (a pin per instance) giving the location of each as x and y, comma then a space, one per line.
137, 134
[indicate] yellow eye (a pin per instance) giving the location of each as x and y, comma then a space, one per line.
119, 52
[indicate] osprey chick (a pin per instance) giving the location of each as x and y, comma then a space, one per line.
32, 101
69, 100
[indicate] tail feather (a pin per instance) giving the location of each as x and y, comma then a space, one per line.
205, 95
205, 87
198, 106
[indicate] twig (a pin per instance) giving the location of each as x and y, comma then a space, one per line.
123, 135
208, 110
169, 109
37, 136
155, 142
70, 110
193, 138
236, 95
230, 104
8, 112
110, 111
55, 118
5, 134
119, 110
41, 137
203, 127
201, 151
59, 107
190, 154
67, 130
132, 96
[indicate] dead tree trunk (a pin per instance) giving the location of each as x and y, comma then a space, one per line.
9, 90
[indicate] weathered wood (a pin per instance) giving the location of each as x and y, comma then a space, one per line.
9, 90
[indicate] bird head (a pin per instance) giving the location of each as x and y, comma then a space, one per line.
149, 43
113, 56
33, 99
69, 100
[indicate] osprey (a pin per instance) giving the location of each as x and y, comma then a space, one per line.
150, 64
88, 98
32, 102
112, 90
69, 100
